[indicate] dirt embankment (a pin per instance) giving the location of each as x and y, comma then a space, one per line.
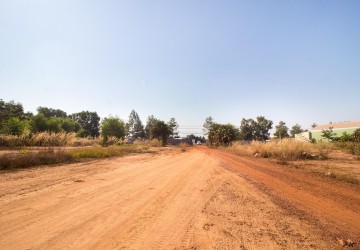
199, 199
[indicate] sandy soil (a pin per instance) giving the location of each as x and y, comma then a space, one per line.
199, 199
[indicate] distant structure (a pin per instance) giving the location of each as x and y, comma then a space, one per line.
304, 136
338, 128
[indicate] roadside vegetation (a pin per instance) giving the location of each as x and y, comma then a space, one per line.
49, 156
282, 150
252, 139
52, 136
54, 127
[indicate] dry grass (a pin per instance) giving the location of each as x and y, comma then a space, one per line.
44, 139
50, 156
148, 143
351, 147
183, 146
335, 164
343, 177
106, 152
283, 150
29, 159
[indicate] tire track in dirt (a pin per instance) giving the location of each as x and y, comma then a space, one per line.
333, 207
197, 199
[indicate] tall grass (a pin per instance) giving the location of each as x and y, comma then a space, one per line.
282, 150
44, 139
148, 143
350, 146
49, 156
106, 152
29, 159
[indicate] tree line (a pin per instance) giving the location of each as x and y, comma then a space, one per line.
14, 121
249, 130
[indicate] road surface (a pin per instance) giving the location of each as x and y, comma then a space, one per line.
199, 199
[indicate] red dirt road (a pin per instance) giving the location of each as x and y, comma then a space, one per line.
199, 199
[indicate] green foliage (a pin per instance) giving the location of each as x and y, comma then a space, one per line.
345, 137
50, 113
157, 129
135, 128
220, 134
112, 127
38, 123
54, 125
69, 125
281, 130
262, 128
12, 110
296, 129
83, 133
13, 126
89, 121
173, 128
247, 129
209, 121
255, 130
329, 134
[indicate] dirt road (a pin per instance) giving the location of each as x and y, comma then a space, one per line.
199, 199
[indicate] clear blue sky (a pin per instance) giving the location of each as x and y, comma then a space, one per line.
296, 61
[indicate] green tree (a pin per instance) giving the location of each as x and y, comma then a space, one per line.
173, 128
69, 125
157, 129
281, 131
247, 128
261, 128
54, 125
209, 121
89, 122
296, 129
13, 126
12, 109
329, 134
38, 123
135, 128
112, 126
314, 125
220, 134
50, 112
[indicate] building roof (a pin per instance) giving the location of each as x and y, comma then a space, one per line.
338, 125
